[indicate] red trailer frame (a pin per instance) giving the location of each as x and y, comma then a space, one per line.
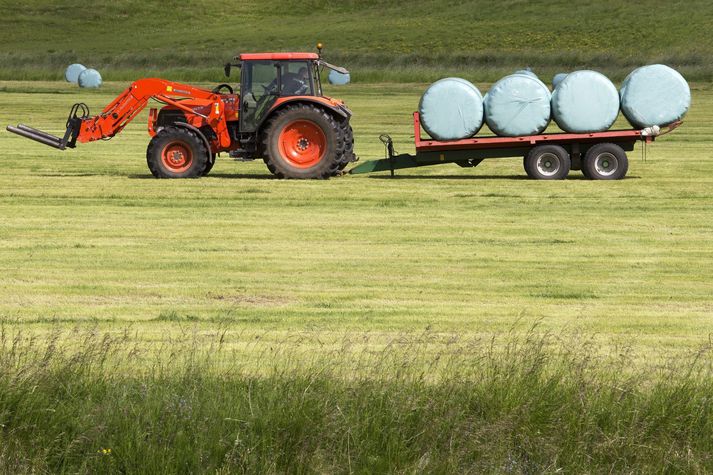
470, 152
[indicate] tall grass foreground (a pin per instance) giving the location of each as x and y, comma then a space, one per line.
85, 401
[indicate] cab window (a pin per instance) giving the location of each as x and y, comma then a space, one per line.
296, 79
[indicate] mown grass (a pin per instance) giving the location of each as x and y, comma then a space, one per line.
523, 403
361, 324
389, 40
88, 235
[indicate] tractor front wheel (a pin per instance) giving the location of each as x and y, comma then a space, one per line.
302, 141
176, 152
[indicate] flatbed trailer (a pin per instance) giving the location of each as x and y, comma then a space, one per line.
599, 155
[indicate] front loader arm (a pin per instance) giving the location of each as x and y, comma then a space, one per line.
115, 116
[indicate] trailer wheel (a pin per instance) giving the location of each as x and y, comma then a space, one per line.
547, 162
605, 161
302, 141
176, 152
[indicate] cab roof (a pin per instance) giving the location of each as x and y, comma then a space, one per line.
277, 56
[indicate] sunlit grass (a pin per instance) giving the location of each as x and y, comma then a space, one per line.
246, 324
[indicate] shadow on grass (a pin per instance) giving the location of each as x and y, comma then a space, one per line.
247, 176
256, 176
474, 177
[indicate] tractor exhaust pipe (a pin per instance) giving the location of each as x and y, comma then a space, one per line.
37, 135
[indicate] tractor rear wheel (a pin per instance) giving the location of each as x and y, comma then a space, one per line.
302, 141
209, 165
347, 153
176, 152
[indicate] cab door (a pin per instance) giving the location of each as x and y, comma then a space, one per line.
259, 89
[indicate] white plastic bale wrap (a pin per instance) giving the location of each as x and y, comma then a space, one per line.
451, 109
558, 78
526, 71
337, 78
518, 104
654, 95
585, 101
71, 74
90, 78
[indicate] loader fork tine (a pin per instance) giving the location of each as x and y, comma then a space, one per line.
77, 114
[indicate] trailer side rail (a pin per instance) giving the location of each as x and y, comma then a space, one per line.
430, 145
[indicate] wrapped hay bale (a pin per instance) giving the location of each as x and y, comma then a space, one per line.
585, 101
526, 71
90, 78
558, 79
518, 104
71, 74
337, 78
654, 95
451, 109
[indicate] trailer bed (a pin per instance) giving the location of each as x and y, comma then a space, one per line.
470, 152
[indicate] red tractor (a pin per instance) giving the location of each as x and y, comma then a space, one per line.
279, 115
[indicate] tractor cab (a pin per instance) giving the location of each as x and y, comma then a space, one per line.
268, 80
284, 118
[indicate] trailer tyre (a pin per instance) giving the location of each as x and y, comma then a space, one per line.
605, 161
303, 141
547, 162
176, 152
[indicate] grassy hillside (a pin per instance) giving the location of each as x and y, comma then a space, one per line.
379, 40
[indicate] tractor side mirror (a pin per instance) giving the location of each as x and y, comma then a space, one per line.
227, 68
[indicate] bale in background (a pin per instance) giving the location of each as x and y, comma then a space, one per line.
451, 109
654, 95
90, 78
558, 79
71, 74
337, 78
585, 101
518, 104
526, 71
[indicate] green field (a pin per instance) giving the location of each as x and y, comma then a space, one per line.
380, 40
89, 235
447, 320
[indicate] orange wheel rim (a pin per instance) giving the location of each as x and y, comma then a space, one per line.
302, 143
177, 156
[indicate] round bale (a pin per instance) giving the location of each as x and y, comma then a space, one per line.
654, 95
451, 109
516, 105
526, 71
558, 79
90, 78
71, 74
585, 101
338, 79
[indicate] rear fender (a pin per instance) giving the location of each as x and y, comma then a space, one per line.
337, 108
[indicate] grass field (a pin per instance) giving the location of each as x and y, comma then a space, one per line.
360, 324
380, 40
89, 235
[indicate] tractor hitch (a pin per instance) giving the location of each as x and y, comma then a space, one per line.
74, 124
